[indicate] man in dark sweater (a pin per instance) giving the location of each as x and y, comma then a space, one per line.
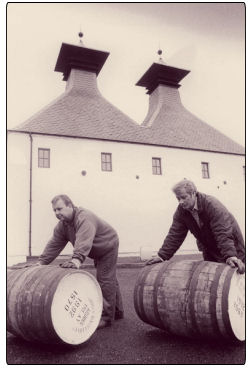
91, 237
216, 230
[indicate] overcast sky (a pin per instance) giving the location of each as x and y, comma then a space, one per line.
206, 38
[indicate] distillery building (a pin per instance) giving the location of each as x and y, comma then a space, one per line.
83, 146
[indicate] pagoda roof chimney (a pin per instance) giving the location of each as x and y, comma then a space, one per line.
161, 73
79, 57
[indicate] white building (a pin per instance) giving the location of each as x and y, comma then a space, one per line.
83, 146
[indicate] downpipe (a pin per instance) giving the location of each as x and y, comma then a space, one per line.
30, 193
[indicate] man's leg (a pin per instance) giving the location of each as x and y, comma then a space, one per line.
119, 311
106, 276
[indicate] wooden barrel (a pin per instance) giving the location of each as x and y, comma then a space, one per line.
192, 298
53, 304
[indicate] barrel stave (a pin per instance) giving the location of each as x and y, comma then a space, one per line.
202, 300
38, 305
148, 297
11, 279
24, 306
174, 289
14, 306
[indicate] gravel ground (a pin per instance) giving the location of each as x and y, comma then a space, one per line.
128, 341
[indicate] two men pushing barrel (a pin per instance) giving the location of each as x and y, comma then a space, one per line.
216, 230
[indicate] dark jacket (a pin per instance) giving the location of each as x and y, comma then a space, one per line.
90, 236
218, 237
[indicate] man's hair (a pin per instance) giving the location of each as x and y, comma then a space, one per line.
65, 199
186, 184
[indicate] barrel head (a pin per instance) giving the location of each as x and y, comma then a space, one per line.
236, 305
76, 307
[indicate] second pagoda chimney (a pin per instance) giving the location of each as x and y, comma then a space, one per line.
162, 83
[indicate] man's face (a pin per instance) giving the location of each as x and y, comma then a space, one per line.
185, 199
62, 211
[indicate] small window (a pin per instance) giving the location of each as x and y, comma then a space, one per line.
205, 170
106, 161
156, 166
44, 157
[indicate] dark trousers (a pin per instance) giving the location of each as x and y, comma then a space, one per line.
106, 277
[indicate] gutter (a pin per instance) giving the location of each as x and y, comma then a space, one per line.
30, 195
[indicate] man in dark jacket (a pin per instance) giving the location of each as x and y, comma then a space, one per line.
91, 237
216, 230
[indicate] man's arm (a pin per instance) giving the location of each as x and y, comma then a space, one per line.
221, 228
176, 235
54, 246
85, 234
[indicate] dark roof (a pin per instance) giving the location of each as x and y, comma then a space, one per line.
83, 112
161, 74
79, 57
178, 127
76, 114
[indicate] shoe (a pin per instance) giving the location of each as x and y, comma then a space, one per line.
119, 315
103, 323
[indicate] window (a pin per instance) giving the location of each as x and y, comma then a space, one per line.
43, 157
205, 170
156, 166
106, 161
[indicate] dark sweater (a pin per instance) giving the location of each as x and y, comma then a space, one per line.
218, 237
90, 235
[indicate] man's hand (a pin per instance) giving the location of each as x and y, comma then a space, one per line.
73, 263
236, 262
26, 265
153, 260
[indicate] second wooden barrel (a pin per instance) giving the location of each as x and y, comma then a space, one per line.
51, 304
192, 298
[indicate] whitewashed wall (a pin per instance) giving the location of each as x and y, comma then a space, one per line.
18, 151
140, 210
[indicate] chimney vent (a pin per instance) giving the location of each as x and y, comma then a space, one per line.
161, 74
81, 58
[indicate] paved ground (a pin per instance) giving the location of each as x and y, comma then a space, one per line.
128, 341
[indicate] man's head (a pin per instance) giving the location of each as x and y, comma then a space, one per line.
63, 207
185, 192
